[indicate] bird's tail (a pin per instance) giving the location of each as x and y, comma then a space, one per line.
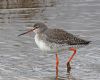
87, 42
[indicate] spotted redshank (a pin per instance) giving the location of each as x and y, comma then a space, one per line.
56, 39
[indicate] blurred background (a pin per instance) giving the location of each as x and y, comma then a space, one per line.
20, 59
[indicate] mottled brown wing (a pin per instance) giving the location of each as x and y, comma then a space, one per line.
60, 36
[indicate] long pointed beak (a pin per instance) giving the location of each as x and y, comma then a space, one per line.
27, 31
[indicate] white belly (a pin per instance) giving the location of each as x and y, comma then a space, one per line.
41, 44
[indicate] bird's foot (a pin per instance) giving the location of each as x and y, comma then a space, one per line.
68, 67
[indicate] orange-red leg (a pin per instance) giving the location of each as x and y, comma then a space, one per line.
57, 64
70, 58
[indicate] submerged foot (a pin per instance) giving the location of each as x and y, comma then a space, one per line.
68, 67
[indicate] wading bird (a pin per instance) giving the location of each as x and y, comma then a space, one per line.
48, 39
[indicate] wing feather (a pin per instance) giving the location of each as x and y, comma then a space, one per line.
60, 36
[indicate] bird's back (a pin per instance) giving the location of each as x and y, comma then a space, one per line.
60, 36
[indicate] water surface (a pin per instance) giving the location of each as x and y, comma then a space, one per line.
20, 59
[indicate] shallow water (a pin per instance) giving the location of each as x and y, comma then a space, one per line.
20, 59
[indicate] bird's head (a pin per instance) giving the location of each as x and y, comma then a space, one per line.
37, 28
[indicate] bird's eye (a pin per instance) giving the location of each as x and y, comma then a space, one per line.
37, 26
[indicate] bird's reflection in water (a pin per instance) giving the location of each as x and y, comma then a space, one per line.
68, 77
